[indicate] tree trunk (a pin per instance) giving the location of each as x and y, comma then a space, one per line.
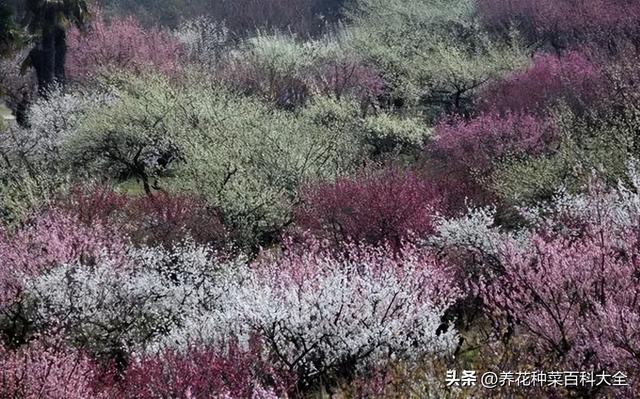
43, 60
49, 55
61, 55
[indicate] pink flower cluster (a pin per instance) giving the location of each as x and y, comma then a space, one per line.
573, 294
98, 223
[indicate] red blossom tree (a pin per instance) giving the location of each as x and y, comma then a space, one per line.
372, 207
164, 219
202, 372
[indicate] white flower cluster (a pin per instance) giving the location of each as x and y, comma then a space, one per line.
114, 305
204, 40
50, 120
475, 230
617, 207
312, 317
344, 314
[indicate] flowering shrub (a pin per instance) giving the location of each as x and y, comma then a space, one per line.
286, 72
370, 207
121, 44
571, 78
203, 372
166, 218
474, 231
300, 232
243, 156
37, 146
271, 67
47, 372
341, 78
51, 239
433, 54
478, 143
117, 306
602, 139
315, 315
163, 218
568, 287
322, 316
574, 299
93, 204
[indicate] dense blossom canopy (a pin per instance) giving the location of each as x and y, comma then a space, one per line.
318, 198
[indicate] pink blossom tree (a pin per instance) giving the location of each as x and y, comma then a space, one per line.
51, 238
44, 371
121, 44
561, 293
477, 143
574, 300
572, 78
570, 288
